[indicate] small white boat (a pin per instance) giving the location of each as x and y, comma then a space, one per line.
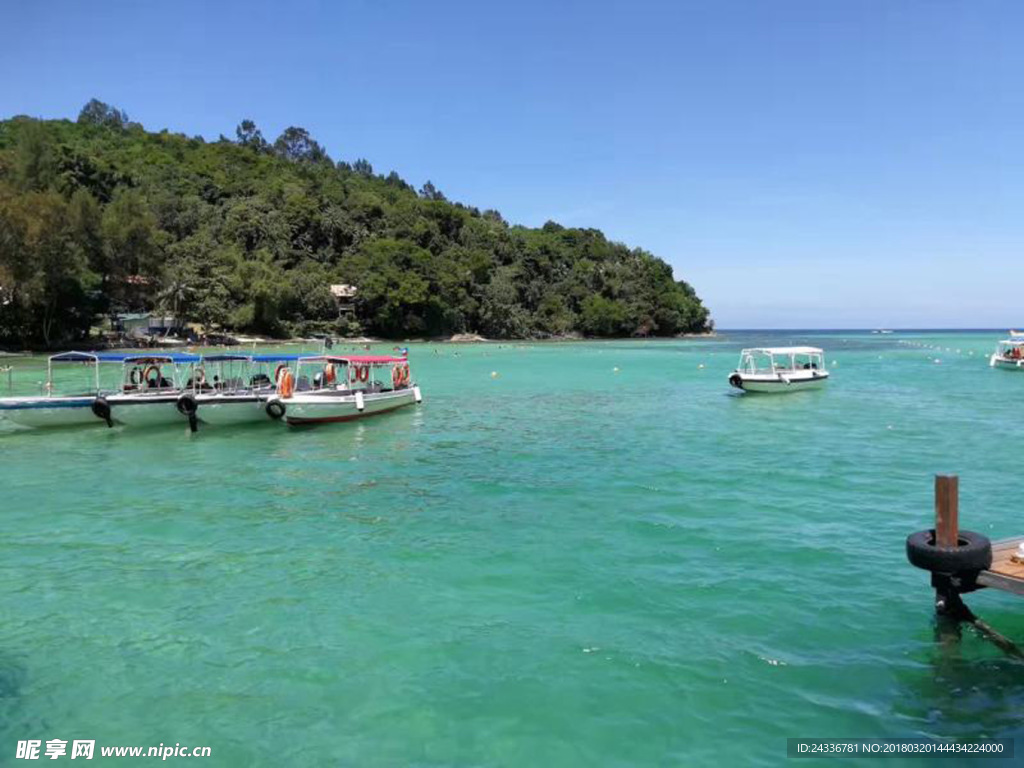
52, 410
233, 388
1009, 354
342, 389
780, 369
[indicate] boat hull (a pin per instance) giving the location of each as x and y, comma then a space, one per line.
145, 410
1006, 363
328, 408
226, 410
775, 384
49, 411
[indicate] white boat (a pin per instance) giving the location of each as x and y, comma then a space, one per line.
780, 369
233, 388
150, 387
52, 410
342, 389
1009, 354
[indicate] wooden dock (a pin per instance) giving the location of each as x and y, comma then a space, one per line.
1004, 573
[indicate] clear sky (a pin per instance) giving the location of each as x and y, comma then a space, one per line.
801, 163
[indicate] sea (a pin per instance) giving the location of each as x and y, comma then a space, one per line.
570, 554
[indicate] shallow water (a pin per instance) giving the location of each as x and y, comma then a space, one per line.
564, 565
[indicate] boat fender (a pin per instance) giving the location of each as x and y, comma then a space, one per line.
187, 405
416, 394
736, 380
101, 408
275, 410
360, 403
972, 553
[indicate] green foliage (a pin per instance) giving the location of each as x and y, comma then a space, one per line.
100, 216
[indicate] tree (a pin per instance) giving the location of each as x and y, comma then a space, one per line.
250, 136
429, 192
362, 167
297, 145
97, 112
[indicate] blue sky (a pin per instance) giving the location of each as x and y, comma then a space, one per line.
802, 164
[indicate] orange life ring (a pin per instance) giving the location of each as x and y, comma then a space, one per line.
329, 374
363, 373
396, 377
286, 387
145, 373
405, 374
277, 371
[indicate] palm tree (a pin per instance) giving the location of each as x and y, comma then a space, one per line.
175, 296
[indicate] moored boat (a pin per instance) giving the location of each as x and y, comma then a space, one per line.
1009, 354
780, 369
342, 388
51, 410
232, 389
150, 387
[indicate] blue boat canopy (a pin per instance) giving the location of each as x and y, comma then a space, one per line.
158, 358
271, 357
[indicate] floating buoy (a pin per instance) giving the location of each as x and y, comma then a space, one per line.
494, 374
700, 366
615, 369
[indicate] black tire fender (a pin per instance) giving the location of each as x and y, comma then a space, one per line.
101, 409
187, 405
736, 381
972, 553
275, 410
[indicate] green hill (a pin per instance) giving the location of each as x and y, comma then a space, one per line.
100, 216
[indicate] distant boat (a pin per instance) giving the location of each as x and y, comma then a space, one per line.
780, 369
1016, 335
882, 330
1009, 354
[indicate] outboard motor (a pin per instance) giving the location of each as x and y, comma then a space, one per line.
101, 408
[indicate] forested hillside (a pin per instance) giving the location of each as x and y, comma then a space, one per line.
99, 216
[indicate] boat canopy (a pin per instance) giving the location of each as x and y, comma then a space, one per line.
784, 351
355, 359
125, 357
1013, 342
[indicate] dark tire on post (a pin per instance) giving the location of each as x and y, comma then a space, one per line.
275, 410
101, 408
187, 405
972, 553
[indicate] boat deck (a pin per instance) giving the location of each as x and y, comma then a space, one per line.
1005, 573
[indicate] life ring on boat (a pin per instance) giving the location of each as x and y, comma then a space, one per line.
275, 410
278, 370
406, 378
329, 375
199, 377
362, 373
396, 377
145, 373
286, 387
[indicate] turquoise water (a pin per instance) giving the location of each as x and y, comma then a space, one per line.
563, 565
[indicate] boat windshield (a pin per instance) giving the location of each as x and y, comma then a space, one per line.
767, 361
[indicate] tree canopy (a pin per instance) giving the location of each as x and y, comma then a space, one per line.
99, 216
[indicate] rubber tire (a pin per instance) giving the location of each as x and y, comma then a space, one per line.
275, 410
101, 409
974, 553
736, 381
187, 405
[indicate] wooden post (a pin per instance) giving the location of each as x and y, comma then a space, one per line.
947, 510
